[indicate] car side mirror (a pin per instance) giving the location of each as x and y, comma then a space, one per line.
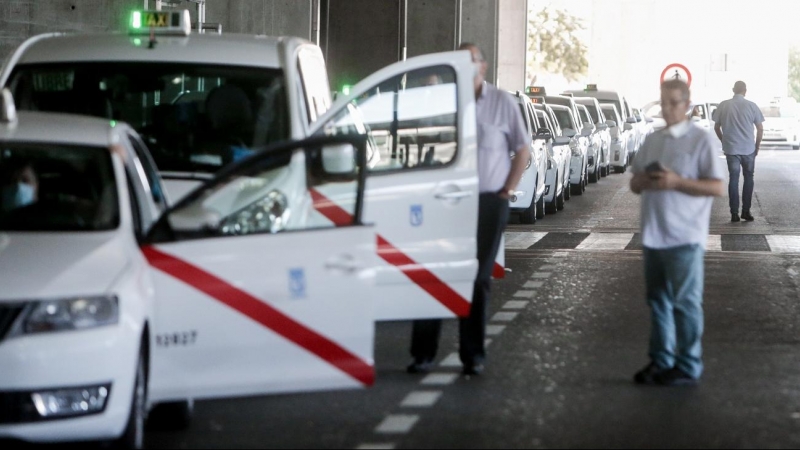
627, 127
339, 159
631, 120
602, 126
611, 123
569, 132
544, 134
649, 120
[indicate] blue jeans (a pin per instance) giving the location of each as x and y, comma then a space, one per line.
735, 165
675, 294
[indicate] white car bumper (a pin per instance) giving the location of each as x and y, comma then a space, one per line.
618, 155
63, 361
576, 169
526, 190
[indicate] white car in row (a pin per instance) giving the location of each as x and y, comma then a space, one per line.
601, 128
558, 185
529, 198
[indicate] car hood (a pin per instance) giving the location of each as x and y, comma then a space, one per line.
55, 265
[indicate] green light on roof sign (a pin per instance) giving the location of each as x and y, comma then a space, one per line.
346, 89
136, 20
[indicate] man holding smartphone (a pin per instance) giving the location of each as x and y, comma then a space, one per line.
677, 174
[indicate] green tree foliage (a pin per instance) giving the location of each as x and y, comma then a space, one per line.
554, 45
794, 73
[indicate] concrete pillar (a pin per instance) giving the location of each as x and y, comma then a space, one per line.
432, 26
479, 25
512, 44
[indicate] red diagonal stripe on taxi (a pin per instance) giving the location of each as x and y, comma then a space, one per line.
263, 314
425, 279
330, 210
499, 271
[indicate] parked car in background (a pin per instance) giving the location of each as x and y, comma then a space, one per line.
781, 125
597, 159
528, 200
579, 163
601, 127
557, 180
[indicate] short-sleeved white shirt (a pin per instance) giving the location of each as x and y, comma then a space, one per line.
501, 132
670, 218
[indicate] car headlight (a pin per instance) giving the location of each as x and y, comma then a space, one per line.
79, 313
270, 214
575, 148
530, 161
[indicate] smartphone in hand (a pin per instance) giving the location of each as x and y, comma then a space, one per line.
655, 167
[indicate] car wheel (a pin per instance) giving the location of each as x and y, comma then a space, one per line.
133, 436
561, 200
552, 207
540, 208
577, 189
567, 191
528, 216
173, 416
796, 147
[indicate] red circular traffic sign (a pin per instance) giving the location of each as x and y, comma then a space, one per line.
677, 68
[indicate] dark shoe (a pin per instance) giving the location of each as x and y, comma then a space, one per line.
472, 370
648, 374
420, 367
735, 218
676, 377
748, 217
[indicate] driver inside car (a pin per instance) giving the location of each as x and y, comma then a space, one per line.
20, 186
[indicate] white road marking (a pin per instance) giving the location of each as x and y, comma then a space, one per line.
560, 254
487, 342
524, 294
452, 360
504, 317
533, 284
397, 424
439, 379
494, 330
516, 304
606, 241
714, 243
522, 240
541, 275
547, 268
784, 244
376, 447
421, 399
792, 272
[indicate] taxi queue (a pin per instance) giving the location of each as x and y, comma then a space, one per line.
157, 186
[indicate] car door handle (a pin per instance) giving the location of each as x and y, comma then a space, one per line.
344, 263
454, 195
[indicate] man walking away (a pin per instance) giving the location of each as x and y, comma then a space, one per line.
677, 174
501, 131
734, 128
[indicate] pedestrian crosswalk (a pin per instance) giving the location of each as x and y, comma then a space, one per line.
583, 241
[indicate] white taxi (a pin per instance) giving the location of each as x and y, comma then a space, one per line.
529, 197
204, 101
620, 156
112, 306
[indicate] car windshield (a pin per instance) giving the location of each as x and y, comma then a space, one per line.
193, 118
564, 118
524, 113
611, 113
593, 112
57, 188
615, 103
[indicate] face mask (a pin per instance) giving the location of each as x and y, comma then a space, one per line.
18, 196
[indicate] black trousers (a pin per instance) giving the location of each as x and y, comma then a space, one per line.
493, 214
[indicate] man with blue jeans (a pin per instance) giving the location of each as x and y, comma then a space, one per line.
677, 174
736, 120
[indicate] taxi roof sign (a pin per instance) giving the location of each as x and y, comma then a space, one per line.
536, 90
538, 100
591, 88
161, 22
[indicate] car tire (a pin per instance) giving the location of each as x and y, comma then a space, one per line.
620, 169
796, 147
577, 189
133, 436
552, 207
540, 208
173, 416
528, 216
594, 177
567, 191
561, 200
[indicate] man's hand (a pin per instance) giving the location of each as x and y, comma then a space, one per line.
504, 194
665, 180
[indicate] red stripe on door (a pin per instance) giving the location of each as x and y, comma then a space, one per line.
263, 314
423, 278
499, 271
330, 210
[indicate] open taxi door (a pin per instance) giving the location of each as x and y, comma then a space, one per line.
252, 297
422, 184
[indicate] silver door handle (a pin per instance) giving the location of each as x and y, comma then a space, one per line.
345, 264
454, 195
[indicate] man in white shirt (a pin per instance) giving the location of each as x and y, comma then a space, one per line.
677, 174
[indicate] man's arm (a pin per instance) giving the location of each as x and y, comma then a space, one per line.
759, 136
640, 182
517, 170
718, 130
669, 180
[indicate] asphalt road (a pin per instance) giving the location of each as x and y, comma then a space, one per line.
560, 368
